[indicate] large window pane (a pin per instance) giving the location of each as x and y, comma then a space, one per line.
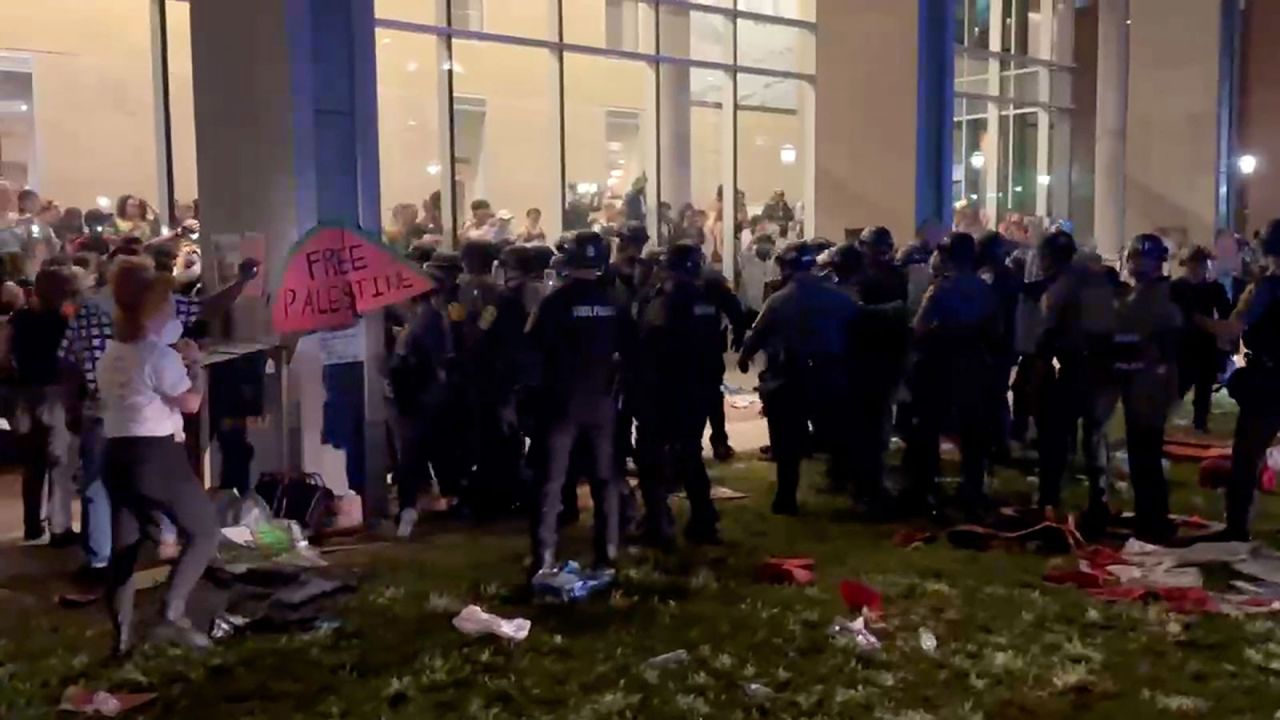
507, 129
426, 12
80, 115
609, 141
774, 47
412, 135
772, 154
182, 114
976, 161
614, 24
973, 23
525, 18
797, 9
695, 156
697, 35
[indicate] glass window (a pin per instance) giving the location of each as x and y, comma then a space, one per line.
506, 135
797, 9
52, 136
976, 159
973, 23
609, 129
614, 24
468, 14
524, 18
426, 12
774, 47
182, 115
772, 154
413, 136
697, 154
697, 35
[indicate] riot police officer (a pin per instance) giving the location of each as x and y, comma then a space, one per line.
681, 355
1144, 356
957, 334
1073, 365
581, 337
1256, 386
993, 254
804, 331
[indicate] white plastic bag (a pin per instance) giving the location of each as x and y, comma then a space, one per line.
474, 621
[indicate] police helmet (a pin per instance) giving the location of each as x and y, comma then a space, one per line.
477, 256
1149, 247
1058, 247
1271, 239
820, 245
421, 252
992, 248
797, 256
444, 265
587, 250
517, 259
959, 249
877, 238
845, 260
684, 259
540, 257
634, 235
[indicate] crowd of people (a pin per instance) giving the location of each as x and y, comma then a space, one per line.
588, 359
533, 363
99, 364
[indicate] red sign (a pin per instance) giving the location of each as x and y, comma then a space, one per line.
333, 274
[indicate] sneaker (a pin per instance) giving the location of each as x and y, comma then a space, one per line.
180, 632
723, 452
62, 540
408, 519
38, 537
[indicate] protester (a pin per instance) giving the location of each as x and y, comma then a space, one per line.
532, 231
147, 385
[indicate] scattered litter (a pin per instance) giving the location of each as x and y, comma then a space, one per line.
758, 693
81, 700
239, 534
787, 571
856, 632
667, 660
928, 641
75, 601
570, 582
743, 402
720, 492
226, 625
861, 598
151, 577
309, 589
474, 621
909, 538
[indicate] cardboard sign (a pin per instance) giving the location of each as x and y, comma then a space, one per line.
333, 274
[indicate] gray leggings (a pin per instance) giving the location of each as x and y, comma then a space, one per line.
146, 476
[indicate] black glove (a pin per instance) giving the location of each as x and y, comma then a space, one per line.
248, 269
744, 365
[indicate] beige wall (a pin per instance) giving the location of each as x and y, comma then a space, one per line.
866, 116
94, 96
1171, 153
1260, 115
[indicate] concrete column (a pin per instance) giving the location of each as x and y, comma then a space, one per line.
1172, 145
866, 117
1112, 118
675, 130
286, 136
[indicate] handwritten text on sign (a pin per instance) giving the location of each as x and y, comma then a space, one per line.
336, 274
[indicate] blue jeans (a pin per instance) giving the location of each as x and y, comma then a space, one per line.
95, 506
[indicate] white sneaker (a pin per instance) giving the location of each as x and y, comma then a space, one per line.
408, 519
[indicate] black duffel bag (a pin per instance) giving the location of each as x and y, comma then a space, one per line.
301, 497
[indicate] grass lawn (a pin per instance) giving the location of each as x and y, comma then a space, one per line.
1007, 645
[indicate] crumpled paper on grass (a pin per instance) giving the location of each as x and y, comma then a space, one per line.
475, 621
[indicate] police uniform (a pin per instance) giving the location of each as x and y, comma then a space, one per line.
1145, 378
728, 309
958, 332
1256, 387
884, 284
804, 330
681, 357
581, 336
1078, 326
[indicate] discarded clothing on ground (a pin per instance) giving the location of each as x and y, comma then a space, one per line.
570, 582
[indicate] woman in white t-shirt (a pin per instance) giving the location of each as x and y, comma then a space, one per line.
147, 378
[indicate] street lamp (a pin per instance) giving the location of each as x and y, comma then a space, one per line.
1247, 164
